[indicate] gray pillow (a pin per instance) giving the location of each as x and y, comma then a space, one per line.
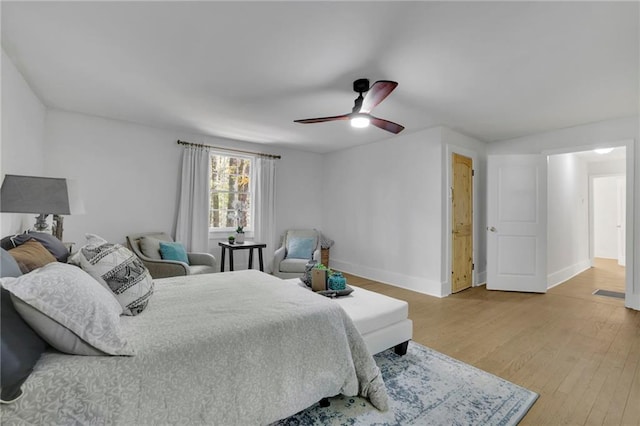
150, 247
8, 265
58, 336
69, 309
21, 346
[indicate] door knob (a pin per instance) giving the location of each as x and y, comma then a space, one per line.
491, 228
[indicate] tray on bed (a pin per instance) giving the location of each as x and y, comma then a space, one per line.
336, 293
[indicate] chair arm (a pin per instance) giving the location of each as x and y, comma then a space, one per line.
165, 268
202, 259
278, 256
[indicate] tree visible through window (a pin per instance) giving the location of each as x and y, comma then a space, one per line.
231, 201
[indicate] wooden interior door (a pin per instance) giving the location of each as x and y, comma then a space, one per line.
461, 223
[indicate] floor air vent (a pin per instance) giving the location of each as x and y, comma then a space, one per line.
609, 293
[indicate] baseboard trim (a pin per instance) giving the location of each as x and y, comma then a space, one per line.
481, 279
418, 284
563, 275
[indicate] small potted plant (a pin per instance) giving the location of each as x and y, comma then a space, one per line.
232, 239
239, 235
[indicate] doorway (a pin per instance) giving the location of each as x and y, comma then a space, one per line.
539, 216
586, 211
608, 206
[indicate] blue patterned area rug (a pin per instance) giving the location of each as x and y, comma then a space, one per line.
427, 388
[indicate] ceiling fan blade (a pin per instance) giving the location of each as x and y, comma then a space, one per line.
376, 94
387, 125
323, 119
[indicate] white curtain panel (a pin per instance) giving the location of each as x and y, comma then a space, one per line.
265, 206
192, 227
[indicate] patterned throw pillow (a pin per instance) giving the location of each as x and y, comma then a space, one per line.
117, 269
69, 309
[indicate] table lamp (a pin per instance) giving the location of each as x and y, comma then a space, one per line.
41, 195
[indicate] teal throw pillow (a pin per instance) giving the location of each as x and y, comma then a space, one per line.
173, 251
301, 248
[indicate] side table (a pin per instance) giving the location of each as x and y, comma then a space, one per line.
247, 245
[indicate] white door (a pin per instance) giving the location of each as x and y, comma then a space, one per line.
621, 198
517, 223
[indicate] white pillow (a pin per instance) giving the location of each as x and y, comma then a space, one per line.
118, 270
69, 309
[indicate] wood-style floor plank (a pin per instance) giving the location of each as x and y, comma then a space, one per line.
579, 351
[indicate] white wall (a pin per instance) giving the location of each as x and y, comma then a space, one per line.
567, 217
605, 217
129, 176
611, 167
581, 138
386, 208
22, 142
383, 209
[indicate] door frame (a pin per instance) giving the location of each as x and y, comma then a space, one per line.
632, 298
476, 277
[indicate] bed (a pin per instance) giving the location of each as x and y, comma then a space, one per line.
229, 348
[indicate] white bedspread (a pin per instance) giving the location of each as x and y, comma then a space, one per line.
220, 349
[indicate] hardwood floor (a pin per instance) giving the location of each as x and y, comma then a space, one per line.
580, 352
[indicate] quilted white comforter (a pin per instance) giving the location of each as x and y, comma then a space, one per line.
219, 349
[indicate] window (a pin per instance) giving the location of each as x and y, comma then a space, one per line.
231, 198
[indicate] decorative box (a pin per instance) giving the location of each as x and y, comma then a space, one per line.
318, 279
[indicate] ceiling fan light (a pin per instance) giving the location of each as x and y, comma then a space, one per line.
603, 150
360, 121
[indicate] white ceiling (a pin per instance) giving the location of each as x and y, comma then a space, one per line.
240, 70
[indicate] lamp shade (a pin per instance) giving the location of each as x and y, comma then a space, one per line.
42, 195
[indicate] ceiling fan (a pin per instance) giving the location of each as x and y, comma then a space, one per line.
360, 115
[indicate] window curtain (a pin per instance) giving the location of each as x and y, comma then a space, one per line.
192, 226
265, 206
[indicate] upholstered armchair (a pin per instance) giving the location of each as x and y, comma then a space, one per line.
146, 247
298, 247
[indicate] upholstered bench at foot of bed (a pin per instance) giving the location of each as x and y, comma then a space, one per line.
381, 320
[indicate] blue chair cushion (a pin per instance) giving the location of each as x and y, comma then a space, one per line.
173, 251
300, 248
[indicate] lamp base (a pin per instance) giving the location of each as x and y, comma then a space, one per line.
41, 223
57, 226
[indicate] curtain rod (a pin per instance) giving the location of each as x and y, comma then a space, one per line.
200, 145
